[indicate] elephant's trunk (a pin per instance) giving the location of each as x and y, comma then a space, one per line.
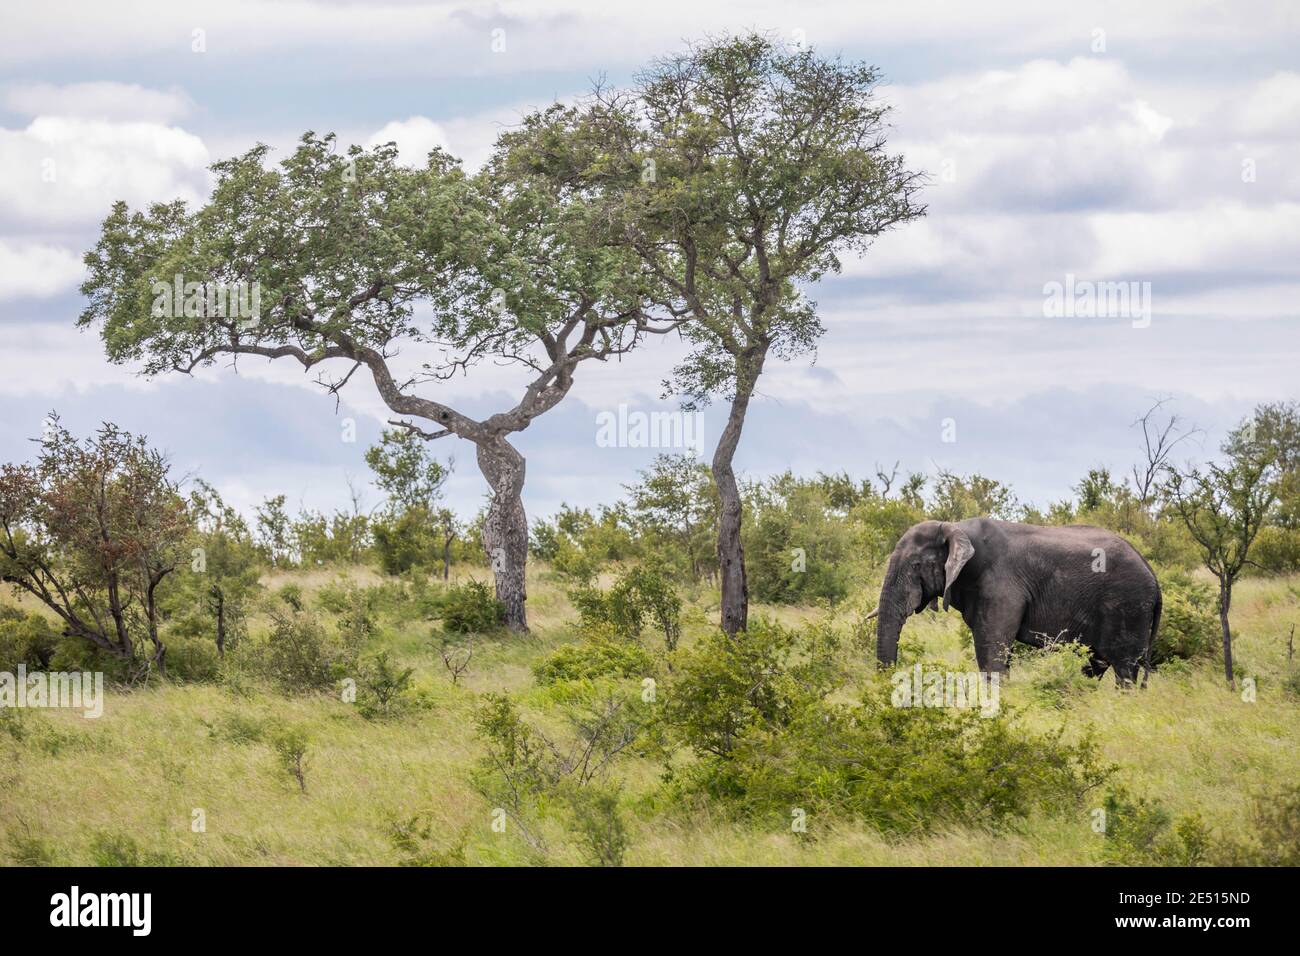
891, 614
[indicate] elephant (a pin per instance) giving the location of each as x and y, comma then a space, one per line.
1038, 585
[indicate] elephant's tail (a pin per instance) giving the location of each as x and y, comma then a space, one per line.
1151, 640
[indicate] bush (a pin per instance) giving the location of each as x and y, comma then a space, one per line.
797, 550
471, 608
598, 824
298, 654
597, 656
529, 773
291, 594
26, 639
192, 659
1275, 836
728, 689
413, 838
384, 688
407, 542
1189, 620
638, 594
290, 746
756, 712
1142, 832
1277, 549
356, 610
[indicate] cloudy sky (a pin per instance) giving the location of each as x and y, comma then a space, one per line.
1112, 142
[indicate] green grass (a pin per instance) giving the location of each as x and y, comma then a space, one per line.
125, 788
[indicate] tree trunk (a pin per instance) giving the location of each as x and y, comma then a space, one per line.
448, 537
1225, 602
505, 530
220, 600
731, 556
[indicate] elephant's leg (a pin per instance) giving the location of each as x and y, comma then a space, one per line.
1126, 673
1134, 632
1096, 667
995, 627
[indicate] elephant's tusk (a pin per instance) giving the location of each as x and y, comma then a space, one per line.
874, 613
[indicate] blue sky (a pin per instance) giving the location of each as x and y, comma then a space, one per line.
1150, 143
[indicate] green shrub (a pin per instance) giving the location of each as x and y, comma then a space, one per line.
291, 594
757, 712
236, 727
413, 838
797, 548
383, 689
192, 659
637, 595
598, 824
1189, 620
597, 656
574, 562
26, 639
407, 541
290, 745
1275, 831
1055, 673
1277, 549
471, 608
529, 773
1141, 832
298, 654
727, 689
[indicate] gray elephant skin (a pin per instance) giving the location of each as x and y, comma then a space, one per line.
1022, 582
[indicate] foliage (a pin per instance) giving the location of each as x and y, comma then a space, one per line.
637, 594
956, 498
91, 531
757, 712
471, 608
405, 471
674, 509
26, 639
797, 549
526, 772
595, 656
383, 688
413, 838
290, 744
1189, 620
299, 654
209, 598
1142, 832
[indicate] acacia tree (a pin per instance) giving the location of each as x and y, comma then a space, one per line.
1223, 507
355, 257
91, 530
748, 171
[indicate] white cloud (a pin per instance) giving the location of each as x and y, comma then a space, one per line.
415, 138
63, 171
36, 270
102, 100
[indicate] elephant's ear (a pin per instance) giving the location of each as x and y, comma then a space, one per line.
959, 552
